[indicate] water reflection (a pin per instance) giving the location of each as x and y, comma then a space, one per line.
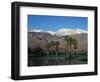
45, 61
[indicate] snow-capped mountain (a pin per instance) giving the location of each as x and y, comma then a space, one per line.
36, 30
62, 31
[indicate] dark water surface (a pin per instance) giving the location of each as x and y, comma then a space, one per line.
56, 60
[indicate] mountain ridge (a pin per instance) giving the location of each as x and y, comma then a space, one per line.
62, 32
42, 38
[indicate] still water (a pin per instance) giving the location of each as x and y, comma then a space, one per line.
55, 60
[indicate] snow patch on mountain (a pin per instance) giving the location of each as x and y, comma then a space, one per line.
36, 30
62, 31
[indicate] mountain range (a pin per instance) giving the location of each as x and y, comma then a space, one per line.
39, 38
62, 31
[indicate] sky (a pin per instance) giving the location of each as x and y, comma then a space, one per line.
54, 23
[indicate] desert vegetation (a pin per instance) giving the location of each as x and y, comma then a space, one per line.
52, 52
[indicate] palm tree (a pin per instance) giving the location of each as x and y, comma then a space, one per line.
52, 45
47, 49
71, 45
69, 42
57, 47
38, 50
75, 43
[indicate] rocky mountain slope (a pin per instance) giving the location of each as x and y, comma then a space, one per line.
40, 39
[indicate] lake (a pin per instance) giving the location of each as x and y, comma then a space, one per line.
56, 60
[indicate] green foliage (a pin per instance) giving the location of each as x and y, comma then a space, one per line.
38, 50
69, 40
71, 44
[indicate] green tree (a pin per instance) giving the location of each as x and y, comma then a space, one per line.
38, 51
71, 44
75, 47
